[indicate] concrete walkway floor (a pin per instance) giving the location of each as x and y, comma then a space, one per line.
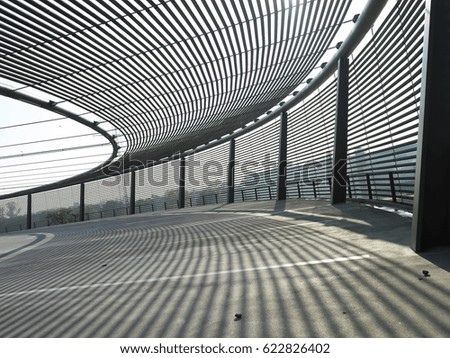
292, 269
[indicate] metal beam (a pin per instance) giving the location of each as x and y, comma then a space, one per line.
231, 166
182, 183
282, 157
82, 205
29, 211
431, 213
133, 193
339, 185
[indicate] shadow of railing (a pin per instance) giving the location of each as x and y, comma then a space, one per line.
156, 276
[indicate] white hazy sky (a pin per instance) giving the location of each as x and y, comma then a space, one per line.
20, 169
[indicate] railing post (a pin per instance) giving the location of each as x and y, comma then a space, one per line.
182, 183
282, 157
82, 203
231, 169
29, 211
133, 193
338, 188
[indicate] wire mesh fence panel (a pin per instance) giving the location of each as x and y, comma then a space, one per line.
13, 214
107, 197
256, 171
384, 96
54, 207
310, 144
206, 176
157, 187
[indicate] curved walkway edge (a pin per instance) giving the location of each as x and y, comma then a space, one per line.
12, 245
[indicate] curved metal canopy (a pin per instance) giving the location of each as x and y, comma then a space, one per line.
169, 75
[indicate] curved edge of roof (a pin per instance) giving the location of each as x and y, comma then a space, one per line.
365, 21
48, 105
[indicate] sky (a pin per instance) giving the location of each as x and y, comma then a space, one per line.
30, 149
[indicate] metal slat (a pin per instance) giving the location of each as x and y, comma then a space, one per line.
384, 106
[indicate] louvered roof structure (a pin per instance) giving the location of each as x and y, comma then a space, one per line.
167, 76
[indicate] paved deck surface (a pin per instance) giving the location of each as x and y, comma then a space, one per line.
292, 269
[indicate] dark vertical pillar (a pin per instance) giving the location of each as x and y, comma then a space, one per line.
282, 158
338, 186
392, 185
431, 213
369, 187
133, 193
349, 187
82, 205
181, 186
231, 165
29, 211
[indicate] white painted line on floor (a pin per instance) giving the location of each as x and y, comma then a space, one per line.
180, 277
20, 250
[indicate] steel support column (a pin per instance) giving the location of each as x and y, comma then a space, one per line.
82, 205
29, 211
133, 192
338, 186
282, 157
231, 165
182, 183
431, 218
